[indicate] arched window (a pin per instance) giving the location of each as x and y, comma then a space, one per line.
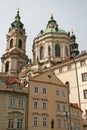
20, 44
41, 52
66, 51
49, 53
68, 84
52, 124
7, 66
11, 43
57, 50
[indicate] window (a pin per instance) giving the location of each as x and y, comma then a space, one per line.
44, 90
82, 63
11, 43
64, 108
58, 107
21, 103
41, 53
63, 93
57, 50
36, 89
59, 123
66, 51
12, 102
49, 51
7, 66
44, 121
57, 92
85, 93
19, 123
10, 123
52, 124
35, 105
35, 121
44, 105
65, 123
84, 77
68, 85
20, 44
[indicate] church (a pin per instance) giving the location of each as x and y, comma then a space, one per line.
53, 50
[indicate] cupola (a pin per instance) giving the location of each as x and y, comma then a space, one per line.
73, 47
17, 22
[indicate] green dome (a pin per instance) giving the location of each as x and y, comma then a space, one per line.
51, 30
52, 27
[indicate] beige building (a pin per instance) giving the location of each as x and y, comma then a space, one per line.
40, 103
49, 105
13, 104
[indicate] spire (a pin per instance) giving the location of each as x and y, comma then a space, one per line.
73, 37
17, 18
17, 22
51, 16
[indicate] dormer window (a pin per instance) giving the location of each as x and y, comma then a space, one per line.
20, 44
11, 43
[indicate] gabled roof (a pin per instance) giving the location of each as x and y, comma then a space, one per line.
48, 77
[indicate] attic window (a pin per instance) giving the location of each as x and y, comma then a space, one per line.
49, 76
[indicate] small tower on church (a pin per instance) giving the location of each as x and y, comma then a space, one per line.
73, 47
15, 55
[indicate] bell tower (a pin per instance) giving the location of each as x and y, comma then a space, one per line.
73, 47
15, 55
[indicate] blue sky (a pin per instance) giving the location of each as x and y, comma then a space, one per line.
69, 14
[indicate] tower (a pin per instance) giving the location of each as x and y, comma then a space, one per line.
15, 55
73, 47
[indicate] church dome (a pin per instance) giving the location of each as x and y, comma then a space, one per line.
51, 27
51, 30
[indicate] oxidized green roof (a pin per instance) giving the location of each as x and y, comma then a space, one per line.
17, 23
51, 30
51, 27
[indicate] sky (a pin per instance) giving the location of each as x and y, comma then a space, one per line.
35, 14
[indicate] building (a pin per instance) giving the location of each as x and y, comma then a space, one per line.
13, 104
49, 105
39, 103
53, 49
75, 112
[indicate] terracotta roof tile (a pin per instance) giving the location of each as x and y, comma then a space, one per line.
75, 105
13, 80
65, 60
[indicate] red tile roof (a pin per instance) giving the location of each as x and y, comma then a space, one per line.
75, 105
13, 80
66, 60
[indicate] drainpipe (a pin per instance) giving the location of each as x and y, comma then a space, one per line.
77, 81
